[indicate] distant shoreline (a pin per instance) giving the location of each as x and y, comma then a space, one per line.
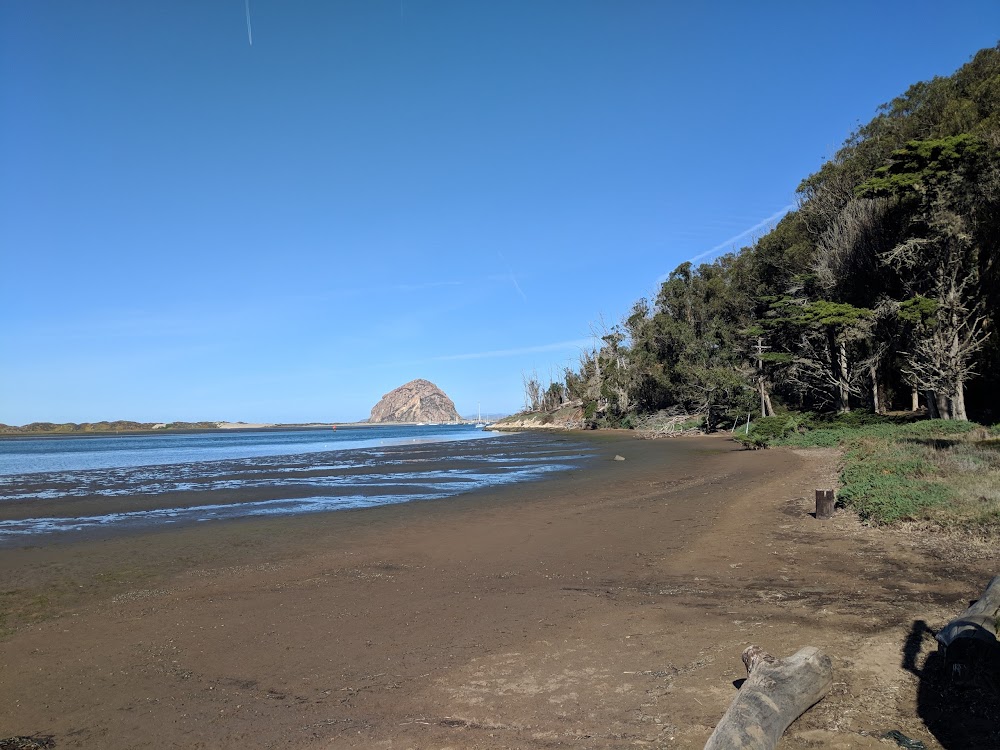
223, 427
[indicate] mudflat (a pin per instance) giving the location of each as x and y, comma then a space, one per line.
605, 607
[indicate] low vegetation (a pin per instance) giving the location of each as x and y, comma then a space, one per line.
73, 428
896, 468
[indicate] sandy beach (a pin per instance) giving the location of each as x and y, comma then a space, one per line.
600, 608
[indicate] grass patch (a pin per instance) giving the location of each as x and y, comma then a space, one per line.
895, 469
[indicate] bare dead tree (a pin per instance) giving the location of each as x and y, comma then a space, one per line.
824, 370
532, 391
944, 271
852, 240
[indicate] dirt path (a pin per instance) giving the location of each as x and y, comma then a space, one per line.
603, 609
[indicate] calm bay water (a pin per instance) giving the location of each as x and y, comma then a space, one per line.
28, 455
110, 484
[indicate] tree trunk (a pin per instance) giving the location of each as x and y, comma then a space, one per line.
943, 407
932, 404
876, 404
959, 401
843, 387
915, 399
958, 396
765, 400
775, 693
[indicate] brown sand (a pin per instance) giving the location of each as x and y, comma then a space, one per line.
604, 608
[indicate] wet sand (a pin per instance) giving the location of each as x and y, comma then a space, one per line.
605, 607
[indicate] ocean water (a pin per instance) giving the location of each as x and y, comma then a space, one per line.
68, 486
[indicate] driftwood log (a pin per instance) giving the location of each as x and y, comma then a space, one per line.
775, 693
968, 644
662, 424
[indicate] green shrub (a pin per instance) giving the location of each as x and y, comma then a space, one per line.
692, 424
770, 428
885, 483
821, 438
754, 442
858, 418
899, 468
766, 430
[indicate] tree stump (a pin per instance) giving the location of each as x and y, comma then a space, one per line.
775, 693
824, 503
969, 642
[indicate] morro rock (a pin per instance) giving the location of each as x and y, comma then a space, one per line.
416, 401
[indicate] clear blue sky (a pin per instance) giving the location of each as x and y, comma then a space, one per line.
192, 227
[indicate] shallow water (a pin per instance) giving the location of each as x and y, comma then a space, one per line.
110, 484
61, 453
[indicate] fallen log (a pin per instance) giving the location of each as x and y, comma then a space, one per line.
969, 642
775, 693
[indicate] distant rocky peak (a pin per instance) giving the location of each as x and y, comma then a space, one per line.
417, 401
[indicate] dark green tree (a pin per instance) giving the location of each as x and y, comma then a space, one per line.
937, 182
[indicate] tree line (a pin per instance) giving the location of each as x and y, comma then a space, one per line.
880, 291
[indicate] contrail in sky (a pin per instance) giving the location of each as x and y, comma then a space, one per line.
512, 277
249, 30
556, 347
745, 232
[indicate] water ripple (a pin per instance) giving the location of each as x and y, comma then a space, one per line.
210, 490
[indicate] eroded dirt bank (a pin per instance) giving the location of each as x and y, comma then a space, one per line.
606, 608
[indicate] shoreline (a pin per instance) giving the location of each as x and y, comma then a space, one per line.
225, 427
601, 608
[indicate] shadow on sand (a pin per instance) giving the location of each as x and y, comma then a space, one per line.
960, 716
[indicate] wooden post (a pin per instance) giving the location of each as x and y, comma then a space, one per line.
776, 693
824, 503
969, 642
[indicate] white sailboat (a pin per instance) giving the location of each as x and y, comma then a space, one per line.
479, 416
